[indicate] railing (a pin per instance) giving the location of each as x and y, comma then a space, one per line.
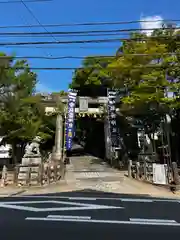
34, 174
144, 171
141, 170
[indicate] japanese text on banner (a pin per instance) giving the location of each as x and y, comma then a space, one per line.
70, 119
112, 118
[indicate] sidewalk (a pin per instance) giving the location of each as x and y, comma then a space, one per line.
148, 188
10, 191
128, 186
91, 173
58, 187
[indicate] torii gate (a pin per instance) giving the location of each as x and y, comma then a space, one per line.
100, 104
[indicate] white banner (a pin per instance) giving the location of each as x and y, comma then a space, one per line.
159, 174
112, 118
83, 104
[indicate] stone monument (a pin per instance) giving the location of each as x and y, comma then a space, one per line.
32, 156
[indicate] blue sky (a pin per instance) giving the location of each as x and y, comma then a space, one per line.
70, 11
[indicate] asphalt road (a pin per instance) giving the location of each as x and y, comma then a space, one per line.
88, 215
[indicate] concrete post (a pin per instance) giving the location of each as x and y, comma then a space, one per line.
129, 168
57, 154
145, 169
176, 176
137, 169
4, 176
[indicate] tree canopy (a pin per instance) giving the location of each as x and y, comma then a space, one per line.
148, 67
22, 116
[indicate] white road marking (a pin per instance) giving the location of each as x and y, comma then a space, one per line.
103, 198
74, 206
103, 221
152, 220
136, 200
68, 217
29, 202
97, 174
82, 198
16, 207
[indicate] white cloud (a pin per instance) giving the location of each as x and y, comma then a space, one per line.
151, 22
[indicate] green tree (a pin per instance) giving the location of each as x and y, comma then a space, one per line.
147, 66
92, 73
149, 69
21, 112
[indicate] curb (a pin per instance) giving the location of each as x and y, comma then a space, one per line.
3, 195
17, 193
162, 187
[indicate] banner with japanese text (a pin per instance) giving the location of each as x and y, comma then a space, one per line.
70, 119
112, 118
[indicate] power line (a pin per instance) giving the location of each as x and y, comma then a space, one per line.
37, 20
90, 23
90, 67
83, 57
86, 41
30, 33
85, 32
61, 42
65, 35
64, 47
46, 31
27, 1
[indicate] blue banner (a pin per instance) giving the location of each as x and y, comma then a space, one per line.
70, 119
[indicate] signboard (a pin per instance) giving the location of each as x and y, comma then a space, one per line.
112, 118
83, 104
159, 174
70, 119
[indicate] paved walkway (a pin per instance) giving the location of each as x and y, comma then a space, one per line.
87, 172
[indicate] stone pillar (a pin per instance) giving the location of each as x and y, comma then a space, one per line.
175, 172
57, 153
129, 168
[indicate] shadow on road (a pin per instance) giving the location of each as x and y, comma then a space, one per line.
94, 193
